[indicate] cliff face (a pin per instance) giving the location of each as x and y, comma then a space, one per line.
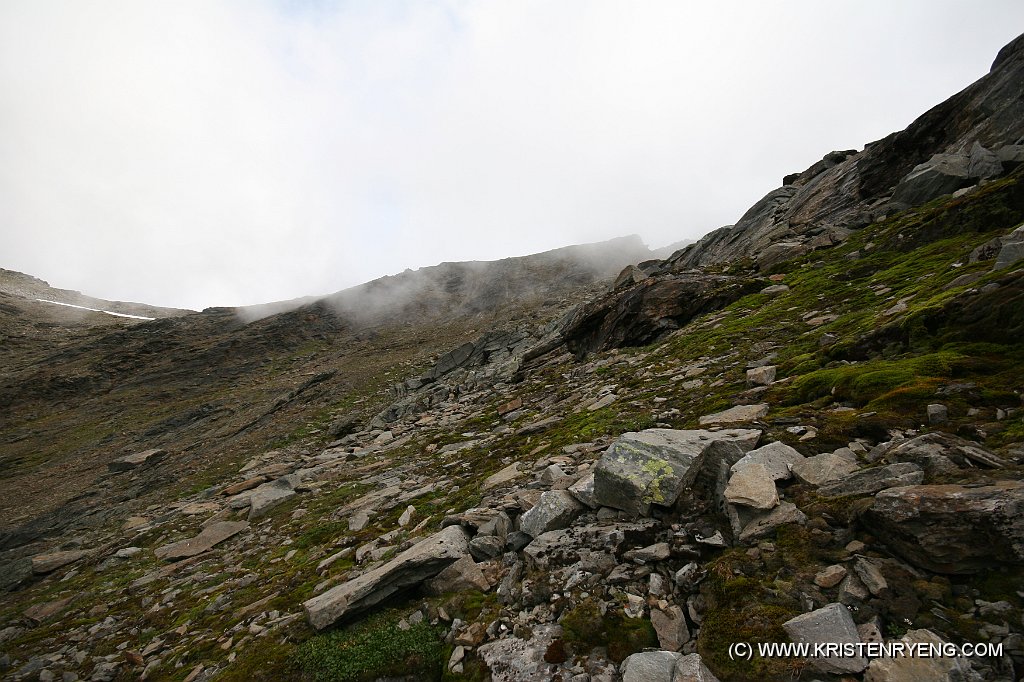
847, 190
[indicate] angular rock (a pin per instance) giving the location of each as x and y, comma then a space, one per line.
211, 536
654, 466
907, 668
824, 468
410, 568
934, 452
47, 563
555, 510
736, 415
650, 666
1012, 249
870, 481
269, 495
670, 626
463, 575
830, 577
692, 669
937, 413
129, 462
38, 613
983, 163
764, 525
659, 551
564, 546
831, 623
952, 529
942, 174
512, 659
484, 547
761, 376
871, 577
358, 521
583, 490
777, 457
752, 486
242, 486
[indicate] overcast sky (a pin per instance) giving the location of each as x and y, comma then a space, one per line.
232, 152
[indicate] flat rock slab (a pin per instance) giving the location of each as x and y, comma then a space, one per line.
767, 523
211, 536
269, 495
830, 624
129, 462
871, 481
952, 529
37, 613
736, 415
654, 466
506, 475
410, 568
47, 563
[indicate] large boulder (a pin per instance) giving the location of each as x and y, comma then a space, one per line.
655, 466
942, 174
269, 495
752, 486
824, 468
831, 624
565, 546
941, 453
423, 560
952, 529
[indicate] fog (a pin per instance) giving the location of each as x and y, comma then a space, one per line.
193, 154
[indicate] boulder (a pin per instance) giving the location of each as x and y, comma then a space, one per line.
583, 490
665, 666
761, 376
736, 415
763, 525
129, 462
211, 536
952, 529
942, 453
824, 468
564, 546
555, 510
777, 457
423, 560
463, 575
656, 465
983, 163
269, 495
752, 486
937, 413
830, 624
870, 481
871, 577
1012, 249
670, 626
831, 576
484, 547
942, 174
908, 668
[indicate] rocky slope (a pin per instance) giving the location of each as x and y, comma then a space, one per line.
817, 436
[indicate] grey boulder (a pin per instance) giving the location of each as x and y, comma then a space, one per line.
870, 481
830, 624
654, 466
555, 510
423, 560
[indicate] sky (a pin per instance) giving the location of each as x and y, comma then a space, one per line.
230, 152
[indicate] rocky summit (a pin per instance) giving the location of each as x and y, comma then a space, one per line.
595, 464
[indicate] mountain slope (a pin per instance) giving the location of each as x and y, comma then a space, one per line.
593, 463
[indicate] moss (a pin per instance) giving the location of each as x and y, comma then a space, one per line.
585, 628
371, 649
267, 662
749, 622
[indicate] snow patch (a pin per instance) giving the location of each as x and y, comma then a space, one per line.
96, 310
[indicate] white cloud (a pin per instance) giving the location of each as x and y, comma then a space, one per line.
215, 153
